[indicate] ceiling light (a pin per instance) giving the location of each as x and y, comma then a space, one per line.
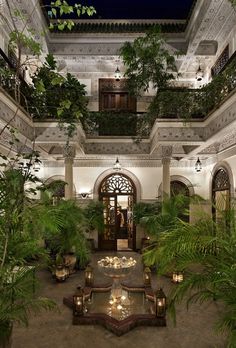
117, 74
199, 74
198, 165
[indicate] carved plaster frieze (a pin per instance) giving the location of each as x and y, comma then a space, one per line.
166, 152
117, 148
17, 119
85, 48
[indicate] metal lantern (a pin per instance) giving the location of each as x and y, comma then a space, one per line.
117, 74
78, 302
198, 165
89, 276
147, 277
177, 277
160, 299
61, 273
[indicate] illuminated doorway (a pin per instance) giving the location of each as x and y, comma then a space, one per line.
118, 194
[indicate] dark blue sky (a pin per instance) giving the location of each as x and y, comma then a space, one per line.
137, 9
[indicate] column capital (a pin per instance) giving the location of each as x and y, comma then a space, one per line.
68, 152
166, 151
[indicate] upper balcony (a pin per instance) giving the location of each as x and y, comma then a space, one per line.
170, 104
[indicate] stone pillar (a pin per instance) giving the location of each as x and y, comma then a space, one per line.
69, 154
166, 157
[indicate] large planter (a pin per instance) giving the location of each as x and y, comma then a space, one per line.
70, 262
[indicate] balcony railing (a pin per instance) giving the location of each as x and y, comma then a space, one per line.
184, 104
115, 124
189, 103
13, 85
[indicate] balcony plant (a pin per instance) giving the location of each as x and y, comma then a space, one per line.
70, 104
21, 40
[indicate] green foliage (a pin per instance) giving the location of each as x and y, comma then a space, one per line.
20, 223
94, 216
233, 2
70, 104
160, 217
114, 123
206, 251
147, 61
60, 8
189, 103
19, 40
70, 234
142, 210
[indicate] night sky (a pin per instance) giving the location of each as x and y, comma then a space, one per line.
137, 9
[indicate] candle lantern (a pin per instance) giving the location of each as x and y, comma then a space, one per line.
61, 273
177, 277
147, 277
78, 302
89, 276
160, 299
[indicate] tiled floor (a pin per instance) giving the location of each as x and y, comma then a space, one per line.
194, 328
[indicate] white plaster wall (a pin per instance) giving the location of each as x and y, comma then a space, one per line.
150, 178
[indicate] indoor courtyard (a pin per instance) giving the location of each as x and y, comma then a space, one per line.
118, 173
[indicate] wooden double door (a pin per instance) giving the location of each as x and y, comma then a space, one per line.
117, 213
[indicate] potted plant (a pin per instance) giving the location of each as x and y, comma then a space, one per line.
93, 213
69, 240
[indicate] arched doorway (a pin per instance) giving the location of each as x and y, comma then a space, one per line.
220, 193
118, 194
178, 188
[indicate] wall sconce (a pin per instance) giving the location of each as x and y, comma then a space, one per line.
160, 302
198, 165
177, 277
89, 276
199, 74
117, 74
78, 302
147, 277
117, 165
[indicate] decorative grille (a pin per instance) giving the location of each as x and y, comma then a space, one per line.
117, 183
221, 61
221, 180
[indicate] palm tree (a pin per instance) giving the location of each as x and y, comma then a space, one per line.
17, 246
206, 251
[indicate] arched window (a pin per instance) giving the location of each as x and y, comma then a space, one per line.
178, 188
220, 193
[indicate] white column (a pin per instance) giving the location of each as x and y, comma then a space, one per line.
166, 157
69, 154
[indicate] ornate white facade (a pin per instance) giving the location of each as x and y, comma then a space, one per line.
91, 56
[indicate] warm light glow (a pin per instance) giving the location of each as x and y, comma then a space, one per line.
198, 165
177, 277
117, 74
117, 165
